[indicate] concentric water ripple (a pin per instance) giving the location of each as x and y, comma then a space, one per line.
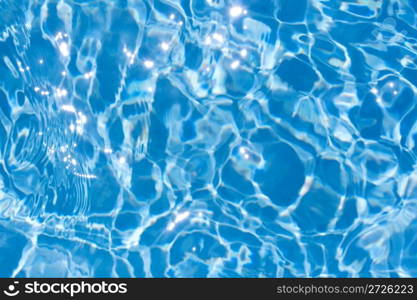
208, 138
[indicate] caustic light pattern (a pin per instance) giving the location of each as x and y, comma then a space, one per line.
208, 138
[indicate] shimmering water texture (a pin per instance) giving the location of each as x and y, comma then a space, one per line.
208, 138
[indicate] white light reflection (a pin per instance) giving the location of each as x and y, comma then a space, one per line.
88, 176
178, 218
61, 92
80, 122
82, 118
58, 36
129, 55
215, 39
80, 129
64, 49
68, 108
88, 75
148, 64
164, 46
218, 37
235, 64
235, 11
244, 152
182, 216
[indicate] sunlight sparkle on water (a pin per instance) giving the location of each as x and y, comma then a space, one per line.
148, 64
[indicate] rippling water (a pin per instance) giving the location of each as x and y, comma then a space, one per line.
194, 138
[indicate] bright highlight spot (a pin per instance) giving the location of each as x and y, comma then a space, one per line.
64, 49
88, 75
148, 64
61, 92
235, 64
82, 118
164, 46
179, 218
182, 216
171, 226
218, 37
236, 11
68, 108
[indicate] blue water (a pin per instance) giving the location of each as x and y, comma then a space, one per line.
208, 138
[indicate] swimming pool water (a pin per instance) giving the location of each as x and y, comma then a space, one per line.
208, 138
